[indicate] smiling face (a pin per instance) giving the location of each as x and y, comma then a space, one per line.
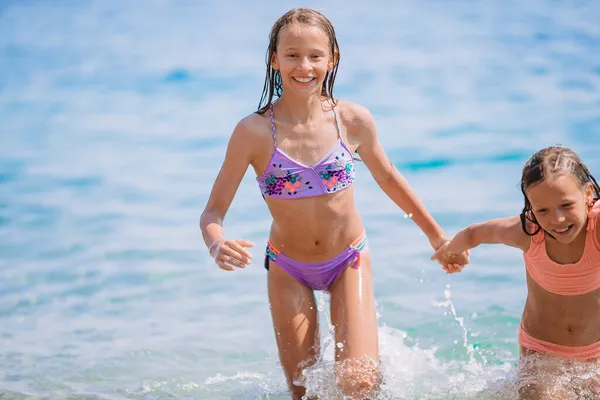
303, 59
560, 205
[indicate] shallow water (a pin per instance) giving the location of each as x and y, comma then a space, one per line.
114, 119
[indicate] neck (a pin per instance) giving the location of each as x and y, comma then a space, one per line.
301, 110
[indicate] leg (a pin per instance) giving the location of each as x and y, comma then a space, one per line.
540, 377
295, 321
355, 322
587, 379
591, 386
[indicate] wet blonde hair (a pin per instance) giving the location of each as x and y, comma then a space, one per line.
307, 16
548, 162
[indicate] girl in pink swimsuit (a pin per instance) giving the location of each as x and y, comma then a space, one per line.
300, 144
557, 232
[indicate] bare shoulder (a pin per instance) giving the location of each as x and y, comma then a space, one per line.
253, 131
354, 114
357, 121
253, 126
250, 135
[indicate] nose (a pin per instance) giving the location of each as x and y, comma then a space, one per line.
304, 63
558, 216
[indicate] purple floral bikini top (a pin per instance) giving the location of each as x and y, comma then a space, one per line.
287, 178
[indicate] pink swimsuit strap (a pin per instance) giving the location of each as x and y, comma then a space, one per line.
567, 279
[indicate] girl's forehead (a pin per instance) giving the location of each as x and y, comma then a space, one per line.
556, 184
297, 32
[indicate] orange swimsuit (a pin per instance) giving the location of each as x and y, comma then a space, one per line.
566, 280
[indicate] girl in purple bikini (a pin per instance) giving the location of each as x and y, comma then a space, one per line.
301, 143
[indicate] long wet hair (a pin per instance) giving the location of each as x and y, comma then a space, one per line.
273, 86
545, 163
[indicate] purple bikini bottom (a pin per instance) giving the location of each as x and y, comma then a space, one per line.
320, 275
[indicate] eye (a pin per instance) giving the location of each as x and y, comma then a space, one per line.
316, 56
567, 205
291, 55
541, 211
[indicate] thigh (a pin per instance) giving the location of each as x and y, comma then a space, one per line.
354, 319
295, 322
543, 377
353, 313
587, 379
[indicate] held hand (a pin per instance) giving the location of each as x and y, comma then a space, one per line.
231, 253
438, 242
452, 268
451, 261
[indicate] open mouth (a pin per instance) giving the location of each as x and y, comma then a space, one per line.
305, 80
564, 230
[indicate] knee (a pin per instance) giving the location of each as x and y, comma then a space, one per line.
530, 392
543, 392
297, 392
358, 378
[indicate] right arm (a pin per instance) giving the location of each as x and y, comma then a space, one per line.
507, 231
238, 157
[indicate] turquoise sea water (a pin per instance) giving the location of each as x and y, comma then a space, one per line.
114, 118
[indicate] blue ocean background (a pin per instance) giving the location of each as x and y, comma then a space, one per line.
114, 117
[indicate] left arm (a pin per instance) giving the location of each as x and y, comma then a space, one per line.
362, 130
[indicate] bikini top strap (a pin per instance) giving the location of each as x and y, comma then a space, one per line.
539, 237
593, 216
272, 119
337, 122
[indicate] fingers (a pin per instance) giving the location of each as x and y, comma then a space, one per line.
238, 246
463, 258
228, 263
457, 267
224, 266
452, 265
451, 262
244, 243
453, 268
231, 254
440, 253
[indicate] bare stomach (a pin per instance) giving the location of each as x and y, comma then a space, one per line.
563, 320
315, 228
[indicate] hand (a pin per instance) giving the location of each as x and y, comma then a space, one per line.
231, 253
451, 261
438, 242
452, 268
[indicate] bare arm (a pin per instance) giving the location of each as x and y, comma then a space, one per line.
237, 159
507, 231
389, 179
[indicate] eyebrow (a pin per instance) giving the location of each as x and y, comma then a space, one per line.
560, 202
315, 50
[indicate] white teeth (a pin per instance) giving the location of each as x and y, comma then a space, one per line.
304, 80
562, 230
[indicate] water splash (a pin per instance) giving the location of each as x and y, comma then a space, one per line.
461, 322
411, 372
